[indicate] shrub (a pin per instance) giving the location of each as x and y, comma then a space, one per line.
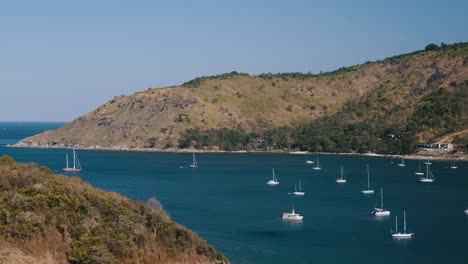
431, 46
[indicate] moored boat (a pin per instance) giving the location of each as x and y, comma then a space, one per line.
292, 216
273, 180
381, 211
398, 234
367, 190
342, 179
76, 163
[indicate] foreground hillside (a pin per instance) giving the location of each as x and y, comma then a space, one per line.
387, 106
47, 218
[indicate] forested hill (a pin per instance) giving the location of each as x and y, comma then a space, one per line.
387, 106
47, 219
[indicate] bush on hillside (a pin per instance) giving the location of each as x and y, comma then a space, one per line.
431, 46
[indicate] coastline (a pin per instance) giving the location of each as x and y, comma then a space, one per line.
415, 156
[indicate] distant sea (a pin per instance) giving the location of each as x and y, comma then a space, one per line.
227, 202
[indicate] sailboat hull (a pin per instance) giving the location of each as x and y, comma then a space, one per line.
380, 212
425, 180
272, 182
402, 235
419, 173
71, 170
299, 193
341, 181
292, 217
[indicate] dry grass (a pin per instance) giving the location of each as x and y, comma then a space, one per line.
13, 255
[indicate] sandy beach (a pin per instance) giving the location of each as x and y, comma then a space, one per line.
422, 155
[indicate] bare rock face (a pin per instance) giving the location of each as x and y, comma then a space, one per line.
157, 118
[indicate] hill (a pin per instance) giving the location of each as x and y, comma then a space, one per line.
351, 109
47, 218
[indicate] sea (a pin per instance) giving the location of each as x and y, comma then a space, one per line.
227, 202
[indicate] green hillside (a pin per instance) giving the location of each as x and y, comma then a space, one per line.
351, 109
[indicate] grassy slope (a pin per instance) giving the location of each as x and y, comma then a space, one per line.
55, 219
158, 117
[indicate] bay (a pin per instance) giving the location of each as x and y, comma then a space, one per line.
227, 202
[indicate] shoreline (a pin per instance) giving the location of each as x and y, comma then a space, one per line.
415, 156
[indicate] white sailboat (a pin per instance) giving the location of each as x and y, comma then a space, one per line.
292, 216
76, 163
342, 179
318, 165
402, 163
309, 161
381, 211
368, 190
453, 165
419, 173
273, 180
300, 192
194, 162
428, 162
396, 233
429, 176
466, 211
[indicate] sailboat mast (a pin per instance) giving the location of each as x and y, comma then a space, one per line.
66, 155
300, 188
341, 171
74, 159
404, 222
381, 198
368, 181
396, 224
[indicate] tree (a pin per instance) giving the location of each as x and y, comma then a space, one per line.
431, 46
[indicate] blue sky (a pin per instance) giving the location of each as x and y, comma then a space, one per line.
61, 59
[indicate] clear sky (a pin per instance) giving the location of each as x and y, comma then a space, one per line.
60, 59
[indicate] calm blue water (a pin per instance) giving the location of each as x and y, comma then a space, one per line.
227, 202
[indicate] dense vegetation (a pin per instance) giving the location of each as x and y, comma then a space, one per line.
385, 120
371, 123
42, 212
